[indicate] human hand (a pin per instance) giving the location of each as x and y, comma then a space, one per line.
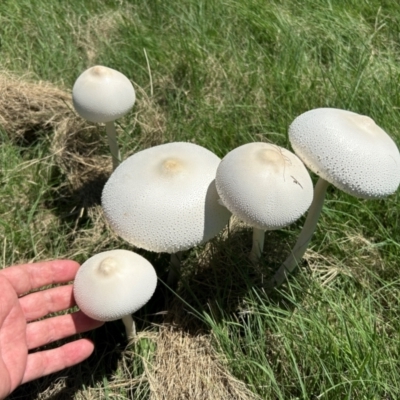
18, 335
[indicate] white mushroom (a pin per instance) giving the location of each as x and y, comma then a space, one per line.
113, 285
164, 199
347, 150
266, 186
102, 94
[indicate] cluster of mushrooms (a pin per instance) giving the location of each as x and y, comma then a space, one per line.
172, 197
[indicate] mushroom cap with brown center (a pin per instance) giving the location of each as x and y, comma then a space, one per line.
102, 94
265, 185
164, 198
348, 150
114, 284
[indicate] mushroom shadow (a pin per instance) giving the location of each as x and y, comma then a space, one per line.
110, 343
70, 204
212, 221
223, 277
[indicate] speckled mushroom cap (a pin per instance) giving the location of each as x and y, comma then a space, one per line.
348, 150
114, 284
164, 198
265, 185
102, 94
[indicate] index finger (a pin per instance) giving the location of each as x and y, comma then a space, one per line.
27, 277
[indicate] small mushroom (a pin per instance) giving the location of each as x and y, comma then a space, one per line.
113, 285
164, 199
347, 150
102, 94
266, 186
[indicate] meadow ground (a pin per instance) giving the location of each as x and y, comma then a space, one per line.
219, 74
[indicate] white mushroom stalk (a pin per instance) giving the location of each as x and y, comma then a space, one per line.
164, 199
103, 95
113, 285
266, 186
257, 246
305, 236
113, 144
347, 150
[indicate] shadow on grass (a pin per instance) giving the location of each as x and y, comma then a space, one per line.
109, 343
67, 202
217, 280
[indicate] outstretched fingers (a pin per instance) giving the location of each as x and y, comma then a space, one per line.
49, 361
39, 304
27, 277
49, 330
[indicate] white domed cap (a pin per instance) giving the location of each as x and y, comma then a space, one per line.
113, 284
164, 198
102, 94
265, 185
348, 150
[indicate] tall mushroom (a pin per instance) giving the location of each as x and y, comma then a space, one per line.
102, 94
347, 150
266, 186
164, 199
113, 285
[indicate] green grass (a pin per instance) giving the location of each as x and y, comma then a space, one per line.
322, 344
222, 74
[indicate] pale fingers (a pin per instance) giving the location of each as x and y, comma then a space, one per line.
27, 277
49, 330
39, 304
46, 362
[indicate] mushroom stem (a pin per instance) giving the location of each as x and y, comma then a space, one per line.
112, 142
174, 268
258, 244
303, 240
130, 326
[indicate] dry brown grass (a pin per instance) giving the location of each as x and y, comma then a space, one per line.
28, 109
361, 256
186, 367
31, 111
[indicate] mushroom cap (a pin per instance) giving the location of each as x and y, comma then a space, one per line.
265, 185
113, 284
164, 198
348, 150
102, 94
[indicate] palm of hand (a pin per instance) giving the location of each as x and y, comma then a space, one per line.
13, 345
18, 334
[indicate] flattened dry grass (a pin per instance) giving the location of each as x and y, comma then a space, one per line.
186, 366
29, 108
